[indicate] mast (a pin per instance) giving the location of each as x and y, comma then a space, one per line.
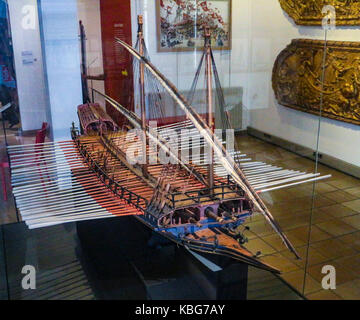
210, 120
85, 87
142, 92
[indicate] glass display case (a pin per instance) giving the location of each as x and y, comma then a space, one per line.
278, 80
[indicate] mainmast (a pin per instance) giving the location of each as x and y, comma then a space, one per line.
209, 100
84, 81
142, 93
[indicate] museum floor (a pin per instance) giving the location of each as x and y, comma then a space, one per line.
335, 232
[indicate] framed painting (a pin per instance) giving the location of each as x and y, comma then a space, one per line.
181, 23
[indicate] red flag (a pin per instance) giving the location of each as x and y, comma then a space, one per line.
204, 6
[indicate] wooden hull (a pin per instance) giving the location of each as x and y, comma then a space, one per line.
227, 246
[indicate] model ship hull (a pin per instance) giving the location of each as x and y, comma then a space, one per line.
227, 246
206, 235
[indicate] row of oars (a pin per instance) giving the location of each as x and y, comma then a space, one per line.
262, 176
52, 185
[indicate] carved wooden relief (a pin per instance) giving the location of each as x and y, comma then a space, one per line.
308, 12
297, 78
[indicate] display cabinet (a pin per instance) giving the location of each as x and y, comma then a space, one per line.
276, 82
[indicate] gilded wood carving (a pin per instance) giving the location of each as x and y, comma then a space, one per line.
308, 12
297, 78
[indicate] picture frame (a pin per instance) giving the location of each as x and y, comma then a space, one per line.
180, 24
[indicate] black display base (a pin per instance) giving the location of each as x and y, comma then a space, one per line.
4, 294
109, 271
230, 283
126, 260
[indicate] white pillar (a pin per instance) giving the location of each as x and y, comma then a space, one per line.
28, 63
60, 41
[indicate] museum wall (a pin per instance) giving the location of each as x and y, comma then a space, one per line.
35, 104
60, 38
28, 63
271, 31
89, 14
248, 65
260, 31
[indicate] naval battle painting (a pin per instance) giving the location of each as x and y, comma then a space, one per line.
180, 24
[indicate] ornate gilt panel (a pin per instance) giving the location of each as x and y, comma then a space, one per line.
308, 12
297, 78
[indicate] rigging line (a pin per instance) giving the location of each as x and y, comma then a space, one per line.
219, 91
316, 157
225, 120
191, 94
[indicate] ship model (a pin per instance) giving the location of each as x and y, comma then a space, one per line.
196, 204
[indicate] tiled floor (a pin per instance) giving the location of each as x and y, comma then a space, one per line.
335, 229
